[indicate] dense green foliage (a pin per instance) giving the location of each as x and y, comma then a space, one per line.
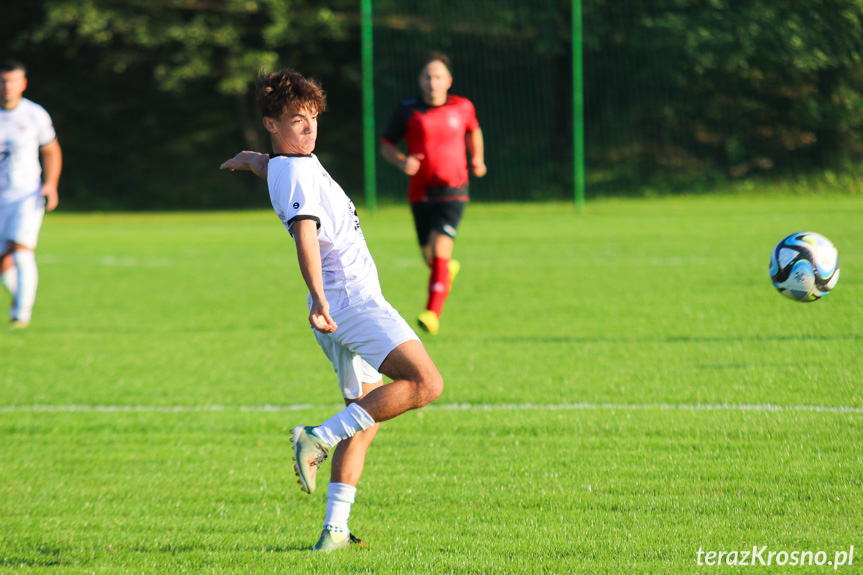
622, 388
723, 86
149, 97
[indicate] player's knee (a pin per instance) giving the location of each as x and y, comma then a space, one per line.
431, 387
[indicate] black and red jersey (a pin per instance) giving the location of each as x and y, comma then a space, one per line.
437, 132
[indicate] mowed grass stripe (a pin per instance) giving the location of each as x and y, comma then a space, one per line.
622, 388
435, 407
562, 492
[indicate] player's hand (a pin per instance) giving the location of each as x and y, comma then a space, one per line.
51, 197
412, 163
319, 317
478, 167
256, 162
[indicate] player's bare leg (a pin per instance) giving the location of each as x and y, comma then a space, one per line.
416, 383
20, 275
348, 462
440, 246
350, 455
8, 272
438, 256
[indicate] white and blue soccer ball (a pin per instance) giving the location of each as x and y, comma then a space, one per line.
804, 266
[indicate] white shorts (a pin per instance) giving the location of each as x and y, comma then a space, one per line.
20, 222
368, 331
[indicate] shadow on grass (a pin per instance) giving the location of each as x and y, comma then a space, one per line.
674, 339
41, 556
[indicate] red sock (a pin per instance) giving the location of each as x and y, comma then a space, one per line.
438, 282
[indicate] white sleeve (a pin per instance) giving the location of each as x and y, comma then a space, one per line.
44, 127
294, 195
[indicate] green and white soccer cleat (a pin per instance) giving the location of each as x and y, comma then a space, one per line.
334, 540
309, 453
357, 541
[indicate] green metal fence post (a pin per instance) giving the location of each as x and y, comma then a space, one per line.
369, 152
578, 106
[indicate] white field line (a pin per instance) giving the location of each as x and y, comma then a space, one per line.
763, 407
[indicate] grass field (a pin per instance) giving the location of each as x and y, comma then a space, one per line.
624, 388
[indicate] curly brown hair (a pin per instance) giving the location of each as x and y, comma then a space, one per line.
287, 91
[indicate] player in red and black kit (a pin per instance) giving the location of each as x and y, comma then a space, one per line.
439, 131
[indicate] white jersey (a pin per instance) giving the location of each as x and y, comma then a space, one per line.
22, 132
300, 188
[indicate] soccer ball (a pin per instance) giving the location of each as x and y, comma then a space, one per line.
804, 266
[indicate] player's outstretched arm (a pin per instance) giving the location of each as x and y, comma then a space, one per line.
52, 165
305, 233
476, 148
408, 164
253, 161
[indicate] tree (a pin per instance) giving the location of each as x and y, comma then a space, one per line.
187, 42
738, 85
149, 96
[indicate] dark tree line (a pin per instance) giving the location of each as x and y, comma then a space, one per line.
725, 88
150, 96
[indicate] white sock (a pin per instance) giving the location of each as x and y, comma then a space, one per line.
340, 497
9, 278
344, 424
28, 281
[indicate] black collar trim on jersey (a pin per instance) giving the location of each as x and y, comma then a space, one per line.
291, 155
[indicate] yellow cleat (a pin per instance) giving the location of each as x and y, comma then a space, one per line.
454, 268
429, 322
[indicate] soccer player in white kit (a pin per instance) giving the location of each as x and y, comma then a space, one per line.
27, 187
358, 330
